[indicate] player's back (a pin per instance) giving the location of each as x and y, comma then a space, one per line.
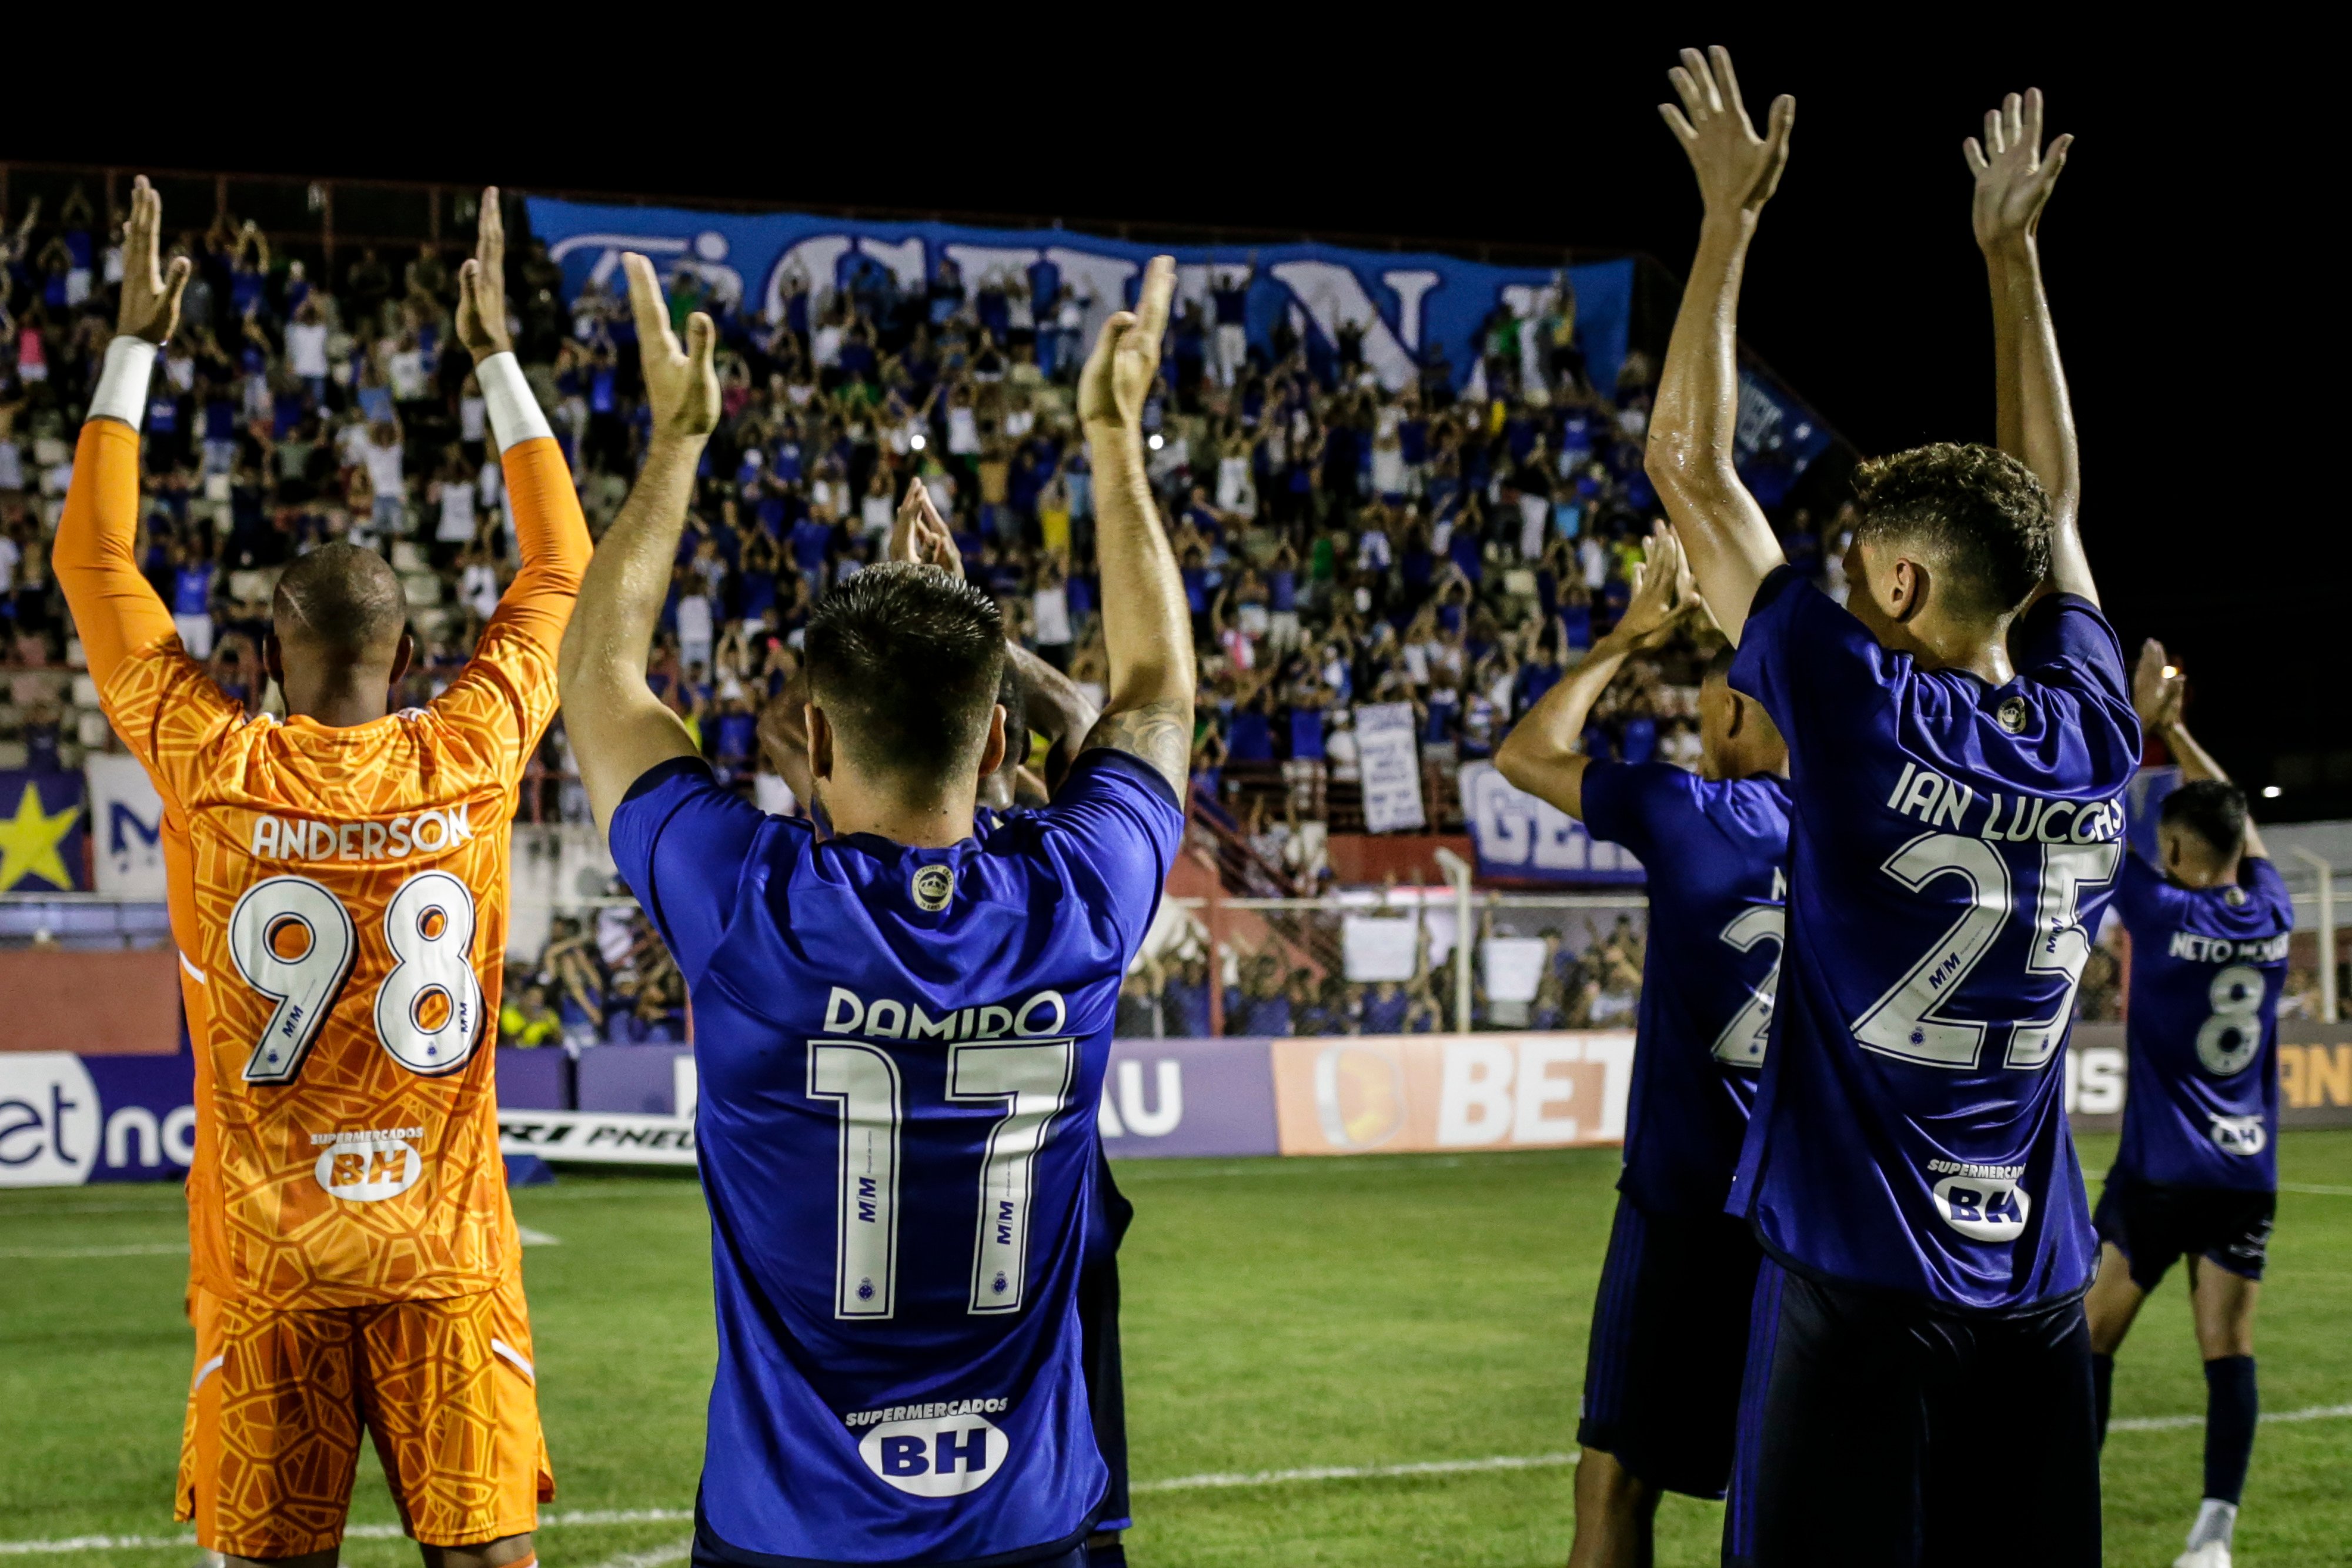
1954, 846
900, 1052
342, 900
1716, 853
2206, 966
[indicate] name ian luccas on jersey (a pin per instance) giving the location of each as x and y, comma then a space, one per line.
1930, 798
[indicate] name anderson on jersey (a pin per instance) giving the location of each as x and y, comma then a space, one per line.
1941, 802
306, 839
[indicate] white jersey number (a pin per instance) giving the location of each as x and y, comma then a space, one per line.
1903, 1021
1030, 1078
295, 943
1741, 1043
2229, 1038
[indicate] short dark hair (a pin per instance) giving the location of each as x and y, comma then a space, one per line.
2213, 808
1718, 664
1981, 511
907, 661
343, 598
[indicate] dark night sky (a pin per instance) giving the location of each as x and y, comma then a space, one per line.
2177, 249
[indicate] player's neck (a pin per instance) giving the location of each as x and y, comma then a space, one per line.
855, 806
342, 706
1935, 643
2200, 873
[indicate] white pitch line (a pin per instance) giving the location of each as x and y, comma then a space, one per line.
658, 1556
354, 1532
1357, 1472
2175, 1422
530, 1238
2317, 1190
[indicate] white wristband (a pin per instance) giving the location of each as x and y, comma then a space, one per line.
515, 414
122, 385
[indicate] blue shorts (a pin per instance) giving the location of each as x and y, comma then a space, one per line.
1662, 1374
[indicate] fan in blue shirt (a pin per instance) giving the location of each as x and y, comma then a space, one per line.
1669, 1337
2197, 1175
1955, 835
902, 1029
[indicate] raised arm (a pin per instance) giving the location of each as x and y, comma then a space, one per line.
2159, 689
1692, 429
2035, 417
550, 532
618, 727
1543, 754
1146, 630
115, 611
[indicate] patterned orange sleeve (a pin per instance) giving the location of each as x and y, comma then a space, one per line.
127, 635
510, 680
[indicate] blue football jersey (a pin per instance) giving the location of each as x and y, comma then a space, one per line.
901, 1054
1715, 853
2206, 966
1953, 847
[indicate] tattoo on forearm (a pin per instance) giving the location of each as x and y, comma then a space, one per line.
1160, 733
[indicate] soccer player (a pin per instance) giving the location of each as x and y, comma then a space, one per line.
1035, 696
1920, 1369
339, 895
2197, 1175
902, 1028
1662, 1374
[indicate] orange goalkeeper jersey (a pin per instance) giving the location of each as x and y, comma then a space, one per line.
340, 897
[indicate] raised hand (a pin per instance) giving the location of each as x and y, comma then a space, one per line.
482, 284
2158, 687
1662, 588
150, 296
919, 534
681, 382
2014, 174
1737, 169
1120, 372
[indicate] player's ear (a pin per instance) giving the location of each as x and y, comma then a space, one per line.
992, 753
402, 657
820, 741
1738, 709
273, 659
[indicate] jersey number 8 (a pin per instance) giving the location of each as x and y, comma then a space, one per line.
296, 944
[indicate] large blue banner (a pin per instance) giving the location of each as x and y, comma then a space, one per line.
1522, 839
1404, 301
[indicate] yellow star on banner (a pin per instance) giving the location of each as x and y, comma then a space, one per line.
28, 843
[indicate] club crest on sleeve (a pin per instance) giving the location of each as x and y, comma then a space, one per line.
932, 886
2235, 898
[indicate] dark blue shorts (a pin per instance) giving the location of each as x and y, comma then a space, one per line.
1662, 1374
1878, 1431
2155, 1226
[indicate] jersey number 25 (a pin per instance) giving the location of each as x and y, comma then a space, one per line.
296, 944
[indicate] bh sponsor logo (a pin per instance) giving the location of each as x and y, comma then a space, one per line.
1983, 1202
368, 1167
937, 1455
2238, 1135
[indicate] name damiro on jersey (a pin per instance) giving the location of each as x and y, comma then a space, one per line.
2226, 950
1940, 803
281, 838
887, 1017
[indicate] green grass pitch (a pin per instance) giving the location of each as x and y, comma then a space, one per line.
1281, 1315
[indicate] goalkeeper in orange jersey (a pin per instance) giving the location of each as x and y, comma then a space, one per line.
338, 896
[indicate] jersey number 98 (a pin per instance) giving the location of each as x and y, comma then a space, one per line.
296, 944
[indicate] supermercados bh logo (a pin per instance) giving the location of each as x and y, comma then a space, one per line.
368, 1167
1983, 1202
2238, 1135
934, 1450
